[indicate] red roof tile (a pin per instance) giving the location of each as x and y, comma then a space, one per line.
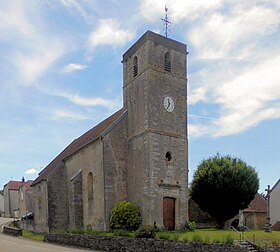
15, 185
258, 204
276, 226
79, 143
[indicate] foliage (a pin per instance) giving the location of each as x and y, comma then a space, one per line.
223, 185
125, 215
32, 236
229, 239
145, 232
164, 235
121, 232
197, 238
190, 226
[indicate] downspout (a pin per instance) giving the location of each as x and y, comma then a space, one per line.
104, 185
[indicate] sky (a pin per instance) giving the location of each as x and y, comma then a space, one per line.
61, 74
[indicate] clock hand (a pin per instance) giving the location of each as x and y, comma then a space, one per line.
168, 103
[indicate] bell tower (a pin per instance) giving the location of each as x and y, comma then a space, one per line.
155, 98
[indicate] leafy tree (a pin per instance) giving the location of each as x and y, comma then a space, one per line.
223, 185
125, 215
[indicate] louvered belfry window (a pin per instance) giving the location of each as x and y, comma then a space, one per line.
135, 66
167, 62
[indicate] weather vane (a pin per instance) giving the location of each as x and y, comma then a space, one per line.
166, 23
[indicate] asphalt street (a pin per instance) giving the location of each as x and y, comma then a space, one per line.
19, 244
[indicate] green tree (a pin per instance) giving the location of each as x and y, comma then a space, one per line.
223, 185
125, 215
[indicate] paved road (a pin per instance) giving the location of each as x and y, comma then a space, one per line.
19, 244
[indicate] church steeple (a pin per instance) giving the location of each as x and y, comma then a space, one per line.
155, 98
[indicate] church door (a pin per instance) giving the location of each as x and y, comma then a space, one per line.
169, 213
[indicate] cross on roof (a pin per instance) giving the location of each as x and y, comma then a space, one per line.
166, 23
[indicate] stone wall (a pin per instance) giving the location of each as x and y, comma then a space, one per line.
40, 207
88, 163
14, 231
134, 245
58, 199
115, 166
26, 225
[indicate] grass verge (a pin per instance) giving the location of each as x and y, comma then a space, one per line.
32, 236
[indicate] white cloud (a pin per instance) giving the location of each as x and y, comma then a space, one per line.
72, 67
31, 50
31, 171
250, 98
196, 130
109, 32
91, 101
178, 10
68, 115
232, 35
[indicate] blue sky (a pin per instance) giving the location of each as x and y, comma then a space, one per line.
61, 74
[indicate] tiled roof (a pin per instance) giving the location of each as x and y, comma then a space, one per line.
27, 184
276, 226
258, 204
79, 143
15, 185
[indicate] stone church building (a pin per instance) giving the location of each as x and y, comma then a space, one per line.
138, 154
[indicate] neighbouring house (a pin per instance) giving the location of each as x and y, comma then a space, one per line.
26, 198
254, 216
2, 209
274, 206
138, 154
11, 197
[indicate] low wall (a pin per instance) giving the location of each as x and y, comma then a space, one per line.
26, 225
116, 243
14, 231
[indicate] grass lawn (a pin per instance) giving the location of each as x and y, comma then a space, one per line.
222, 236
32, 236
199, 235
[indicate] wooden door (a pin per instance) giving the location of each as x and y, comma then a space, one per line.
169, 213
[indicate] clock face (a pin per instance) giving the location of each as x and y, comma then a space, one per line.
168, 104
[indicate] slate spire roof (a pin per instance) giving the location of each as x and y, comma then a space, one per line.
79, 143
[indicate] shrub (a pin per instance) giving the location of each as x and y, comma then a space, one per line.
125, 215
145, 232
190, 226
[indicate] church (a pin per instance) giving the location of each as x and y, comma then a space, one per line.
138, 154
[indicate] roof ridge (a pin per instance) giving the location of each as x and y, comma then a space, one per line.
80, 142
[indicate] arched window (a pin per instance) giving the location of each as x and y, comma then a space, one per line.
90, 192
167, 62
135, 66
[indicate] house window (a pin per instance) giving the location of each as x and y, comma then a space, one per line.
135, 66
167, 62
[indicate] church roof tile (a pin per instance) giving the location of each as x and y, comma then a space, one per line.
79, 143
